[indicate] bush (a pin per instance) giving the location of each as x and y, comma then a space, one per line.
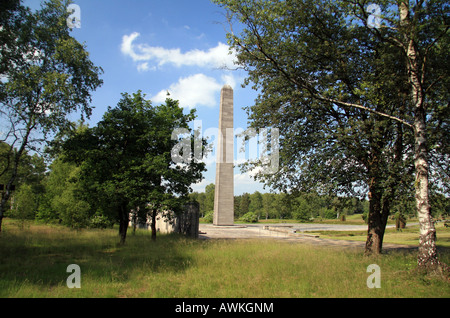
400, 221
330, 214
365, 217
208, 218
25, 204
249, 217
301, 210
77, 215
100, 222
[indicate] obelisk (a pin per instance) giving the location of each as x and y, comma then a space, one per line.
224, 189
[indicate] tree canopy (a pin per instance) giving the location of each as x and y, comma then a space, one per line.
127, 161
350, 97
46, 74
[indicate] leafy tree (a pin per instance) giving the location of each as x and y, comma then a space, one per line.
29, 177
249, 217
237, 206
301, 210
62, 199
354, 98
209, 197
245, 203
25, 204
282, 205
46, 75
127, 160
256, 203
267, 199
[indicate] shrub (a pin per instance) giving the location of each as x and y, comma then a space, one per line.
25, 204
208, 218
249, 217
365, 217
400, 221
100, 222
330, 214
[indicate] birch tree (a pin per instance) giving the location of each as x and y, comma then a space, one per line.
45, 75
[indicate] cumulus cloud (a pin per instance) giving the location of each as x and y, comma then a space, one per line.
216, 57
195, 90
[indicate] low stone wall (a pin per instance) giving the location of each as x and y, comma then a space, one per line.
186, 223
288, 229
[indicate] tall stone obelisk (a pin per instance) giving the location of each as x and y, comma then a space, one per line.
224, 189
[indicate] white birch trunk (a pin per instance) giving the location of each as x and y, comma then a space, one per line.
427, 256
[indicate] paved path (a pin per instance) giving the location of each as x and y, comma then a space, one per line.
285, 232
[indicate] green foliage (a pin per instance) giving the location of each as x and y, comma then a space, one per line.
400, 221
329, 214
62, 199
244, 203
249, 217
127, 161
25, 203
46, 75
209, 197
76, 213
256, 203
45, 212
29, 176
365, 216
303, 206
302, 210
353, 104
99, 221
209, 217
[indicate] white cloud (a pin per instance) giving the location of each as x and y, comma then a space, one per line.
195, 90
142, 67
216, 57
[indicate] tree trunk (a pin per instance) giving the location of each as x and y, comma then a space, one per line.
123, 223
376, 228
427, 257
153, 225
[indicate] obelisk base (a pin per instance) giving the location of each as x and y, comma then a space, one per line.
224, 195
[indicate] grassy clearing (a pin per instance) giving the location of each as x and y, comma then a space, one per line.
407, 236
34, 260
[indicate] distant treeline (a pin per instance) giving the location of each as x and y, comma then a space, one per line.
302, 207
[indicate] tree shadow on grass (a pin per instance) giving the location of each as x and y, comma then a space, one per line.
30, 258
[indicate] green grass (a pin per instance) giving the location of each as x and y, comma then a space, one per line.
407, 236
33, 263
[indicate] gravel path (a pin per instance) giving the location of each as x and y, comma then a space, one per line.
286, 232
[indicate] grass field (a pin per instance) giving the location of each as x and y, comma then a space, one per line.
33, 263
407, 236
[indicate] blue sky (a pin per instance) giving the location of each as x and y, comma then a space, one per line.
178, 46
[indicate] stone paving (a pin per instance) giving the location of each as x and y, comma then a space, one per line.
282, 232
